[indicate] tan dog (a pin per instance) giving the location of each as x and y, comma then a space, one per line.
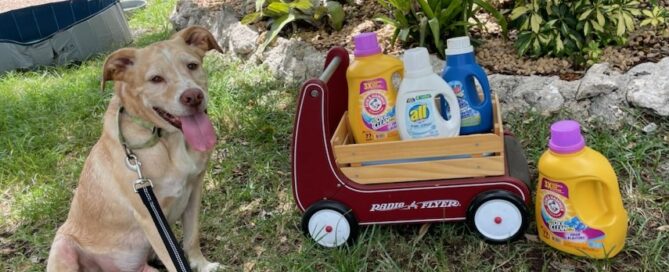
108, 227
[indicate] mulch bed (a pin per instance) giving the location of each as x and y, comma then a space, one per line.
496, 54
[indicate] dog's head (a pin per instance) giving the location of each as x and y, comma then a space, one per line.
165, 84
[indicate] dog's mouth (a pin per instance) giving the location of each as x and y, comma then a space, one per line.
196, 128
173, 120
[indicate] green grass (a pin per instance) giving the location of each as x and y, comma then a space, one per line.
51, 118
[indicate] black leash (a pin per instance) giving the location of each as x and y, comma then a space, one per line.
144, 187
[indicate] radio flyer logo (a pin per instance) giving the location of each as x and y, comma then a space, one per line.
415, 205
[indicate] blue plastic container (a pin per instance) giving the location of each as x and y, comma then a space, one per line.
460, 71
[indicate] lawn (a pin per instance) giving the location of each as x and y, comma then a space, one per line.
51, 117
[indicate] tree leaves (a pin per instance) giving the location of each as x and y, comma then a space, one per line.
429, 22
564, 27
336, 14
284, 12
278, 24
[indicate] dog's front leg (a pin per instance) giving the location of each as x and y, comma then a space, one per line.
191, 229
146, 222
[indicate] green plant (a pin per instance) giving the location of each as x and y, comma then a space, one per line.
562, 28
593, 52
283, 12
656, 17
428, 23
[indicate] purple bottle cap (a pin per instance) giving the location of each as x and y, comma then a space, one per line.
366, 44
566, 137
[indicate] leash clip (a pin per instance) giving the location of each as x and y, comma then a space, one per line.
141, 183
133, 164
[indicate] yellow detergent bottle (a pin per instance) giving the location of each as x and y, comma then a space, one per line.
578, 205
372, 92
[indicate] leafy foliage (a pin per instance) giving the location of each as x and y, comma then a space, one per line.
562, 28
656, 17
283, 12
428, 23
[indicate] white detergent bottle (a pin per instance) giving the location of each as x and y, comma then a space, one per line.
417, 112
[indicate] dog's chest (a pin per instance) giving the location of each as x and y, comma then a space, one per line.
177, 182
174, 193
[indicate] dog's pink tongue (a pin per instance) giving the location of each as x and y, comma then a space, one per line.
198, 131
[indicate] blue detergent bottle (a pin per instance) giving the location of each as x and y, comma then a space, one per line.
460, 71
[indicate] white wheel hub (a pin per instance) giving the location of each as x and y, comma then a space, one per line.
329, 228
498, 219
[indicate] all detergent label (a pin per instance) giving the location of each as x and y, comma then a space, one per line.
469, 116
378, 113
420, 117
559, 222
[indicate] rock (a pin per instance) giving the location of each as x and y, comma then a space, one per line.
504, 85
607, 109
294, 60
437, 64
219, 22
642, 69
244, 41
650, 128
546, 99
651, 94
568, 89
598, 80
541, 93
649, 87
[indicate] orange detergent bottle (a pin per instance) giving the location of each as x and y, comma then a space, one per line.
578, 205
372, 92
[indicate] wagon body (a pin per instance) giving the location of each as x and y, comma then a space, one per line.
317, 176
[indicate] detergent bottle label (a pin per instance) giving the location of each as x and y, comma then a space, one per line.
469, 116
419, 117
378, 113
560, 223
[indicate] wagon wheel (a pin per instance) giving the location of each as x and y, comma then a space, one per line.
498, 217
330, 224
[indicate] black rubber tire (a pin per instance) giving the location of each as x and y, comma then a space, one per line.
337, 207
498, 195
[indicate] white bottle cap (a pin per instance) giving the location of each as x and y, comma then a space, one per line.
417, 62
458, 45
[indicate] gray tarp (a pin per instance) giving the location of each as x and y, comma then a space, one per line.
106, 31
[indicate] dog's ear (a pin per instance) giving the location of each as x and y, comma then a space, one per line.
117, 64
198, 37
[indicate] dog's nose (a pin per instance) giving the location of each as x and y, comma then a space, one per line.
192, 97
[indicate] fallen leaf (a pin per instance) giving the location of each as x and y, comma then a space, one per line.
663, 228
248, 266
259, 250
423, 230
251, 206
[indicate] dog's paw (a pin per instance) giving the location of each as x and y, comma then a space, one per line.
206, 266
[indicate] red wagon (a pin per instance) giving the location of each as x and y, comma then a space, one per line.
338, 185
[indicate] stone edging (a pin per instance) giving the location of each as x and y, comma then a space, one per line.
602, 94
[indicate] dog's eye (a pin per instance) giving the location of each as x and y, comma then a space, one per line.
157, 79
192, 66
